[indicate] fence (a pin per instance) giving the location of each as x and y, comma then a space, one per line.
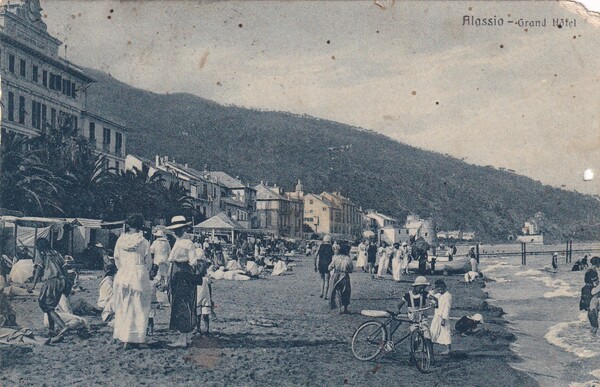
524, 253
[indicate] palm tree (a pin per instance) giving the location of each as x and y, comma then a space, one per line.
26, 183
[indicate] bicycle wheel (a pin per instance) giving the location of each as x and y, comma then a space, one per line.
420, 351
368, 340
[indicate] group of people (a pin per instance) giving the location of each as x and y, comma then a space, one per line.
128, 291
590, 294
391, 259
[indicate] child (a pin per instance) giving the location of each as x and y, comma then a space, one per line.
106, 293
417, 299
440, 325
555, 262
204, 303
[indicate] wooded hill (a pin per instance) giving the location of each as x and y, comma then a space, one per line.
374, 171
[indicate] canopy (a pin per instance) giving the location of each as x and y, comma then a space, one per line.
220, 222
368, 234
422, 244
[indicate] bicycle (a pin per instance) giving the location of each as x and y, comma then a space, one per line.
373, 337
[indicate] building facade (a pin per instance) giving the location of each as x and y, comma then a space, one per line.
277, 214
331, 213
42, 90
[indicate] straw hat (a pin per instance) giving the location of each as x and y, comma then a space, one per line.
99, 245
420, 280
477, 317
472, 248
178, 222
327, 239
159, 233
404, 244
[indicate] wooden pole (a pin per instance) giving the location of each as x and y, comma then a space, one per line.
477, 251
567, 253
35, 240
523, 254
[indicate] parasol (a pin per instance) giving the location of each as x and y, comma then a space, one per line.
368, 234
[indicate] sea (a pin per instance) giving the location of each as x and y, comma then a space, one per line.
554, 338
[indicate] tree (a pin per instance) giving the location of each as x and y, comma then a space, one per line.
27, 184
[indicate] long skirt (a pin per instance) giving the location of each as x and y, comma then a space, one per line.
362, 259
396, 269
182, 295
131, 303
440, 334
383, 265
341, 290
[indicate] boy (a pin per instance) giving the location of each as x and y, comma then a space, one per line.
415, 299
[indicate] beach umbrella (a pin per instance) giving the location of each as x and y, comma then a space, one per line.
368, 234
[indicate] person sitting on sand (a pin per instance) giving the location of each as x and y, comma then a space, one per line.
49, 268
468, 324
471, 276
10, 333
417, 298
105, 296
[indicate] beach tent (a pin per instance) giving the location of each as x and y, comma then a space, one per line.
220, 224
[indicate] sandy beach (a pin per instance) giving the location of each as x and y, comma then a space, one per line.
309, 346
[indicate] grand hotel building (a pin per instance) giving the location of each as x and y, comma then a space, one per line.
41, 89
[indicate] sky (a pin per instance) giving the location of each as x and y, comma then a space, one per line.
524, 98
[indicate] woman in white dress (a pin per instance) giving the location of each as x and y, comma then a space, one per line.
405, 258
383, 259
440, 325
397, 262
132, 287
361, 262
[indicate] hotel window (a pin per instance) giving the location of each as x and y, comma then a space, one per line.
106, 136
21, 110
11, 106
36, 113
53, 118
34, 73
118, 142
45, 78
44, 116
92, 131
11, 63
23, 68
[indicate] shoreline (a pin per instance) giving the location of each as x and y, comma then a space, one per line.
310, 344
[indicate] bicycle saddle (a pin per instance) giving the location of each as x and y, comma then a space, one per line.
375, 313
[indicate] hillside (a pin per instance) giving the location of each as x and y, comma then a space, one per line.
373, 170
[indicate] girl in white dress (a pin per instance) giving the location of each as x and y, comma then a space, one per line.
440, 325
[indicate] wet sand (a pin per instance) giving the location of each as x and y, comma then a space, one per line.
309, 346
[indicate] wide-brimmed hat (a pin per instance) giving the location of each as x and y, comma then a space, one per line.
420, 280
159, 233
477, 317
404, 244
178, 222
99, 245
327, 238
472, 248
